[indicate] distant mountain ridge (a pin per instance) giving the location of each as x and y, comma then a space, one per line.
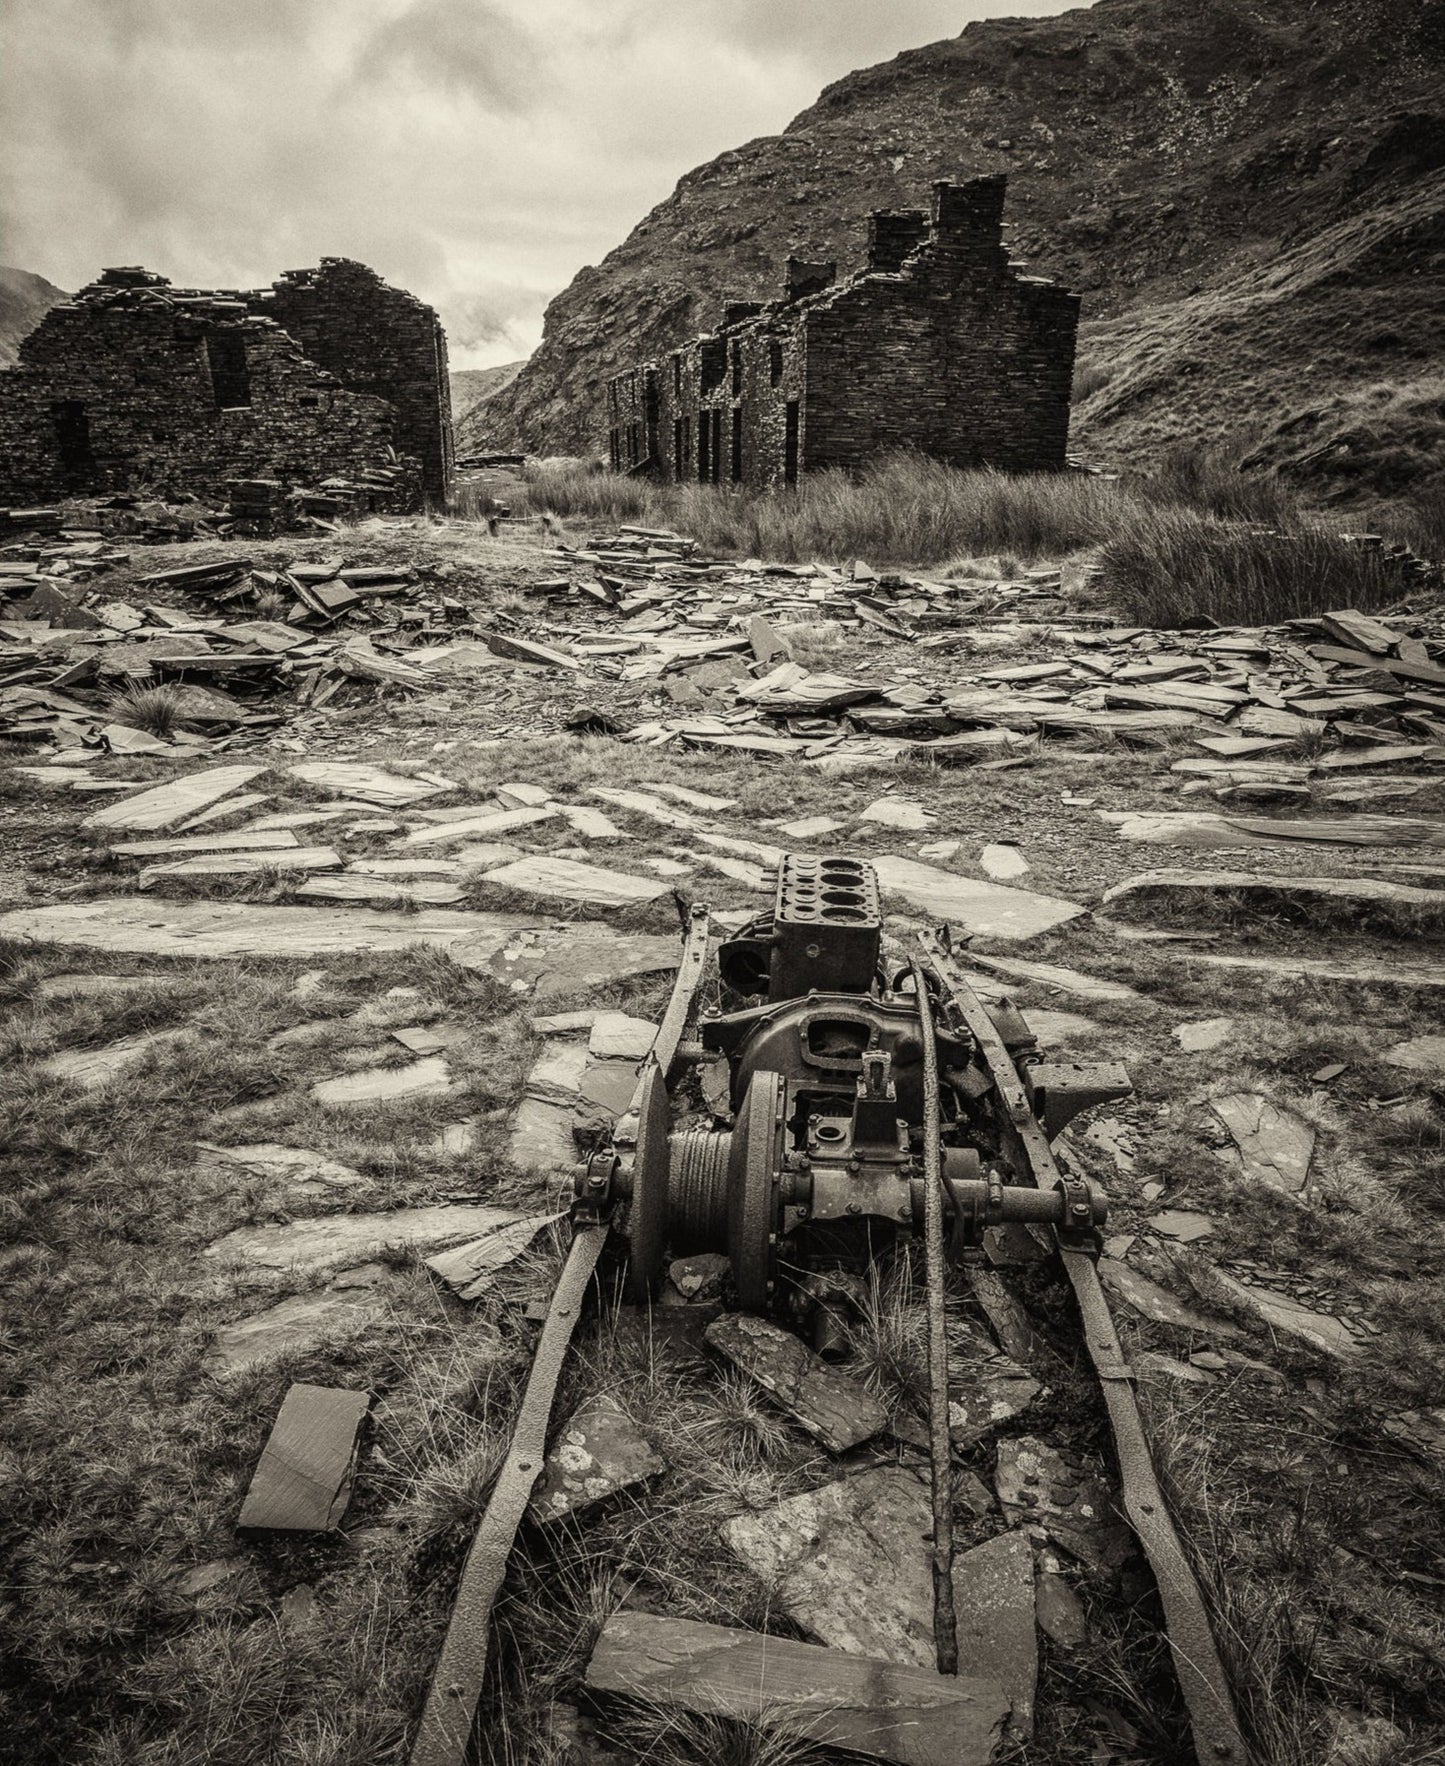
25, 299
1250, 197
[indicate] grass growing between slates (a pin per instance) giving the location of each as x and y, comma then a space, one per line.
1194, 537
126, 1459
1170, 565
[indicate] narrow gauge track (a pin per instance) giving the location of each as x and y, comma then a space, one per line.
867, 1110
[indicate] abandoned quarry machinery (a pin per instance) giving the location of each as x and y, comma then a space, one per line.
874, 1100
835, 1080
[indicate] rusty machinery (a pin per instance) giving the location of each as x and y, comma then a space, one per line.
870, 1104
823, 1171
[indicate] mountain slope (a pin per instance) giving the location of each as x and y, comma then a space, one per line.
25, 299
473, 386
1179, 166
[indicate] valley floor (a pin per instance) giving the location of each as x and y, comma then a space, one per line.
256, 1087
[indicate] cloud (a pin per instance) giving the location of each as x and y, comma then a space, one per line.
491, 315
478, 152
470, 49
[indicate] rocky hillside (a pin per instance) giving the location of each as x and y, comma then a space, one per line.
474, 386
25, 299
1251, 197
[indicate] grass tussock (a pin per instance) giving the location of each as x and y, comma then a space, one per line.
1173, 565
154, 709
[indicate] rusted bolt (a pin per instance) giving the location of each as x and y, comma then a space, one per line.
855, 1207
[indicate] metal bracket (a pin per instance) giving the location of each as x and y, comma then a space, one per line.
595, 1191
1059, 1090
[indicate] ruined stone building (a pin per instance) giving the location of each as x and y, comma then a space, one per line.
134, 384
939, 344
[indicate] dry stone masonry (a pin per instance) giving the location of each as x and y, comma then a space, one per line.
939, 344
329, 374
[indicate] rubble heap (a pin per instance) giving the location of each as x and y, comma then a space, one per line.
136, 383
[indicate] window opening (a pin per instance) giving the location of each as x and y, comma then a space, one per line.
72, 440
230, 377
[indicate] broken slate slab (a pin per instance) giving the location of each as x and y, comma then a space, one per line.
1274, 1147
993, 1598
986, 1389
910, 1715
371, 784
1149, 1300
568, 879
897, 812
979, 907
381, 890
235, 929
542, 1138
1093, 988
326, 1241
242, 864
850, 1564
1199, 828
164, 805
1303, 895
91, 1068
808, 827
300, 1324
307, 1172
1421, 1054
1059, 1611
1003, 862
1072, 1503
1183, 1224
598, 1452
303, 1481
1279, 1314
1203, 1034
618, 1036
831, 1407
274, 840
555, 961
377, 1085
485, 825
469, 1269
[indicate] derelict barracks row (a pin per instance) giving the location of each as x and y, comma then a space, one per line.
940, 344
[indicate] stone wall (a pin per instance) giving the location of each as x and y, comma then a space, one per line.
136, 384
374, 339
940, 344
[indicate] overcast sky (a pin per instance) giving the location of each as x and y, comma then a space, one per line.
478, 152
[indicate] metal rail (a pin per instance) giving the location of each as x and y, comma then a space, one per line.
1213, 1723
940, 1447
456, 1687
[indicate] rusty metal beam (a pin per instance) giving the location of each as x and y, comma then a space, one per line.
1218, 1740
456, 1687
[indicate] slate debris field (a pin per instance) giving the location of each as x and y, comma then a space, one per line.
426, 811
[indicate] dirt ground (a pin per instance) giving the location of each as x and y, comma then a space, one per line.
1304, 1461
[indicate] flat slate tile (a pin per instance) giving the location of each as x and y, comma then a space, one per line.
303, 1481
